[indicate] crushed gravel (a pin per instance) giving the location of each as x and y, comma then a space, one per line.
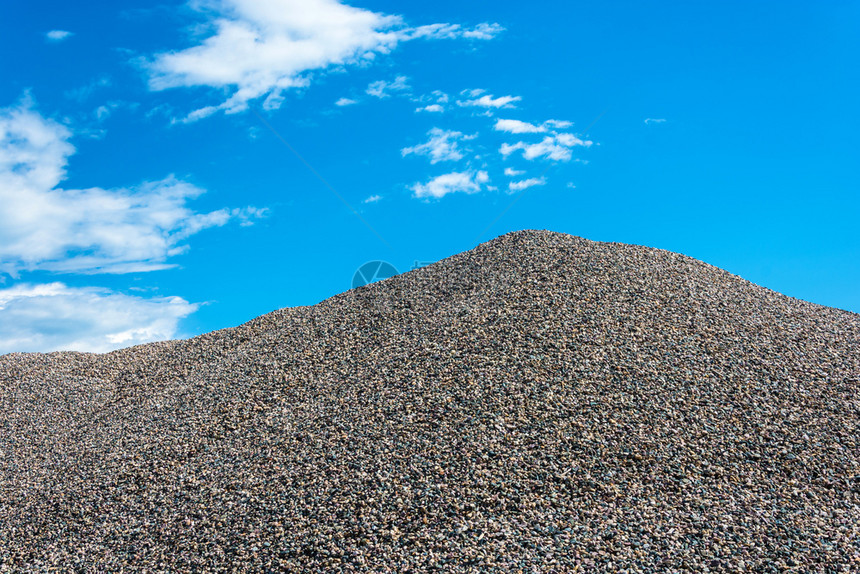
542, 403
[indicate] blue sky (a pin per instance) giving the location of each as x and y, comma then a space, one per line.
172, 168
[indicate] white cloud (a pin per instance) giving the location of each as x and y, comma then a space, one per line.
442, 146
198, 114
55, 317
473, 93
105, 111
526, 183
487, 101
43, 226
441, 97
82, 93
437, 96
649, 121
466, 182
570, 140
484, 31
263, 48
372, 199
511, 172
345, 102
383, 89
519, 127
58, 35
102, 113
435, 108
555, 147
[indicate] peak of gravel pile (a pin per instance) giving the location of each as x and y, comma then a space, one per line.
542, 403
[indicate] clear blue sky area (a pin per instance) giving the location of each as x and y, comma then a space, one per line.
168, 169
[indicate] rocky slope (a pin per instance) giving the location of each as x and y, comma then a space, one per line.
541, 403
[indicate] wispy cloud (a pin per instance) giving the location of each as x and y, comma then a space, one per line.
556, 147
197, 115
44, 226
520, 127
442, 146
440, 96
649, 121
488, 101
484, 31
464, 182
517, 127
372, 199
54, 317
263, 48
58, 35
345, 102
82, 93
102, 113
434, 108
106, 110
435, 102
526, 183
384, 89
554, 143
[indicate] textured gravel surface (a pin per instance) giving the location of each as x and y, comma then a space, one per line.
542, 403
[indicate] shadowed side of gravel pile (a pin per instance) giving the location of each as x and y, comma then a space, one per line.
540, 403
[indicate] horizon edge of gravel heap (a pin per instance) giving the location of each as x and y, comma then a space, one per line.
541, 403
512, 233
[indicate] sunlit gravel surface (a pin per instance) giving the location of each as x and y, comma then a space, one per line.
542, 403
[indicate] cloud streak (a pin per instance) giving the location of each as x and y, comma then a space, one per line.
46, 227
526, 183
263, 48
484, 31
382, 89
557, 147
56, 317
489, 102
463, 182
520, 127
442, 146
58, 35
432, 108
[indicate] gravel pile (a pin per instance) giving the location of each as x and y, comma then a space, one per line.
542, 403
